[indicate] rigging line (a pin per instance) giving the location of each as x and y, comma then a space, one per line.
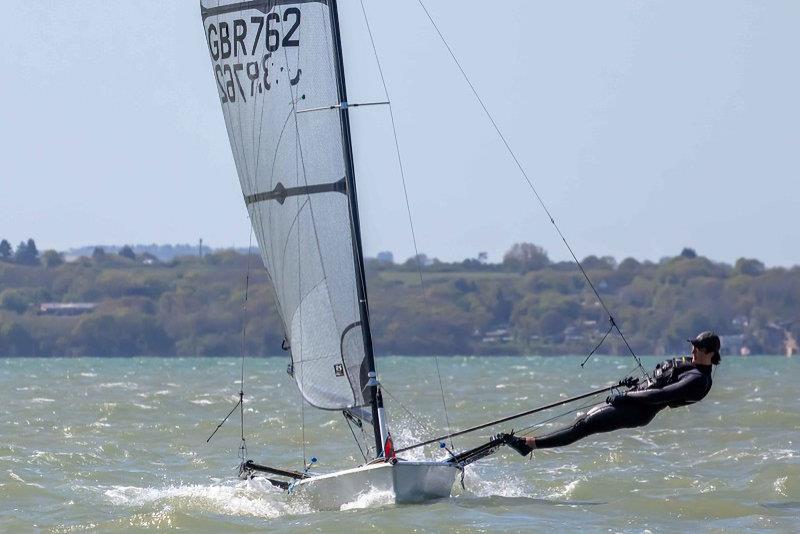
238, 146
350, 426
235, 149
224, 419
610, 328
511, 417
530, 428
635, 368
408, 206
530, 183
414, 418
301, 371
379, 422
243, 447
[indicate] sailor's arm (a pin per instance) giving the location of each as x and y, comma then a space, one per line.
688, 387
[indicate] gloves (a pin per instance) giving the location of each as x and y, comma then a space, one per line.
629, 382
517, 443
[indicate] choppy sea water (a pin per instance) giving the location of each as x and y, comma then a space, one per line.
120, 445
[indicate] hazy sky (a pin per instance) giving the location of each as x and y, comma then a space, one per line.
646, 127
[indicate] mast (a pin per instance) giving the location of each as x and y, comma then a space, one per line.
376, 400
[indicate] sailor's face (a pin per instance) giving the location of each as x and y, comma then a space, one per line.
698, 353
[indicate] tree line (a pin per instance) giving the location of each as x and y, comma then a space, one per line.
527, 304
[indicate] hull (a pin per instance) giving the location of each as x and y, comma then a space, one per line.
406, 482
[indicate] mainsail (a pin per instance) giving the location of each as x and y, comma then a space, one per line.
276, 69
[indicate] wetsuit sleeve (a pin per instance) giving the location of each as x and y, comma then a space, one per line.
691, 386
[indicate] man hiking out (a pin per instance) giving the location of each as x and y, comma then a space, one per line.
675, 383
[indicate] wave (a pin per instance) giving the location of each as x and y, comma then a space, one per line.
237, 498
371, 498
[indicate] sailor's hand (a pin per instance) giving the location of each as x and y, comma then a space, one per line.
615, 399
629, 382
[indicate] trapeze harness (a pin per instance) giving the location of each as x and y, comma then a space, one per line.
676, 382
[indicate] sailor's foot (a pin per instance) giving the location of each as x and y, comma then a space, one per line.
523, 446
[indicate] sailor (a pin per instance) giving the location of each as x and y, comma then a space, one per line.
676, 382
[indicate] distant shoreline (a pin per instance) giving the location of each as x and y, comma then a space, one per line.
126, 304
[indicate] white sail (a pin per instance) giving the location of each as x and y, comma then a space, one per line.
274, 65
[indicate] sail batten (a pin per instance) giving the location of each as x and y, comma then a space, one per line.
280, 193
267, 57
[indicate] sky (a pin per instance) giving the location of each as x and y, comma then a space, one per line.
646, 127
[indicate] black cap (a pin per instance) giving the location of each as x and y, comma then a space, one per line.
708, 341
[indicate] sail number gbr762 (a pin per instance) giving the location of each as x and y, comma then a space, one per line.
232, 43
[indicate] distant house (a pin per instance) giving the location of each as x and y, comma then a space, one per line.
66, 308
501, 335
150, 259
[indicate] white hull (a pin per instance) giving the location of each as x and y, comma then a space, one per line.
408, 482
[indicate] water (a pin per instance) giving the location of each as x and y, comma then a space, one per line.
119, 445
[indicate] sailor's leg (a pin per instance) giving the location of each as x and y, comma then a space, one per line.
601, 419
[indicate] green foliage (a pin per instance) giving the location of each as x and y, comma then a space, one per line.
99, 254
593, 263
749, 267
52, 259
194, 306
629, 265
127, 252
15, 300
15, 340
121, 334
27, 253
526, 257
5, 250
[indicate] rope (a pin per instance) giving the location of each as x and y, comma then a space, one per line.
350, 426
243, 446
598, 345
303, 423
532, 187
367, 440
224, 419
409, 412
511, 417
240, 403
408, 208
524, 431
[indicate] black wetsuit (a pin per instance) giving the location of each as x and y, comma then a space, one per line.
676, 383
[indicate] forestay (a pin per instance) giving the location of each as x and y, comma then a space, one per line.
274, 66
